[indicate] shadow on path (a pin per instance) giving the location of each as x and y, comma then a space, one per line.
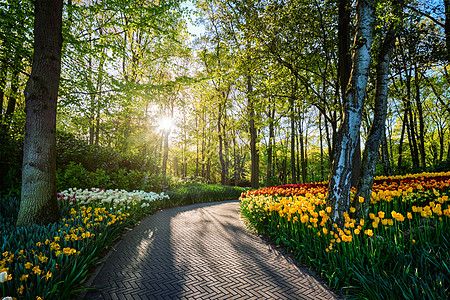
201, 251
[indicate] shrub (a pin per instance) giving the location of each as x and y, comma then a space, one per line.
196, 193
10, 164
75, 175
69, 150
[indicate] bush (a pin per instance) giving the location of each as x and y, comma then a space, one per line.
441, 166
10, 164
197, 193
69, 149
75, 175
79, 164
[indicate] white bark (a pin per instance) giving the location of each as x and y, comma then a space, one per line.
346, 142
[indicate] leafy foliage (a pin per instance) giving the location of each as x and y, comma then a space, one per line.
196, 193
10, 164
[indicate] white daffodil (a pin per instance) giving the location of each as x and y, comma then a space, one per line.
3, 277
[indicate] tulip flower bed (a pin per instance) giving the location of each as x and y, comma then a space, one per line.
401, 250
51, 262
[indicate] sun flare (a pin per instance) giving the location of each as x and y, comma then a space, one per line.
166, 123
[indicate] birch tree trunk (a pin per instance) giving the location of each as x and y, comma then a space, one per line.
376, 134
348, 133
38, 198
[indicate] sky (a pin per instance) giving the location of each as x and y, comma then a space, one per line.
194, 29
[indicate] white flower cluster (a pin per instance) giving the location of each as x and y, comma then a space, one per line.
115, 198
3, 277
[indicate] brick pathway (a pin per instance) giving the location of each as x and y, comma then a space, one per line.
201, 251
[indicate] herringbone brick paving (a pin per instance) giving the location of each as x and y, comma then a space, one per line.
201, 251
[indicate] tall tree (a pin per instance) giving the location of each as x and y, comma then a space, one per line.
38, 199
377, 131
348, 133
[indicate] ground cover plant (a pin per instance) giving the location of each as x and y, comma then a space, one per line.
401, 250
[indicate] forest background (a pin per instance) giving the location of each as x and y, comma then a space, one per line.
255, 100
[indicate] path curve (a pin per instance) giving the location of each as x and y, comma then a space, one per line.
201, 251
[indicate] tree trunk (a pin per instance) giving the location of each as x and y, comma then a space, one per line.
38, 198
12, 99
302, 153
447, 27
253, 136
400, 143
270, 147
410, 126
344, 69
377, 131
322, 171
356, 161
385, 155
448, 152
97, 128
227, 154
305, 159
236, 162
166, 153
293, 169
3, 75
441, 144
223, 171
345, 59
420, 115
347, 136
410, 129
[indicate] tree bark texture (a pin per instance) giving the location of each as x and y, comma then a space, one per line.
253, 136
223, 170
270, 147
377, 131
347, 136
3, 74
322, 171
293, 168
39, 203
345, 58
12, 99
165, 153
400, 143
420, 115
385, 155
447, 27
410, 126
